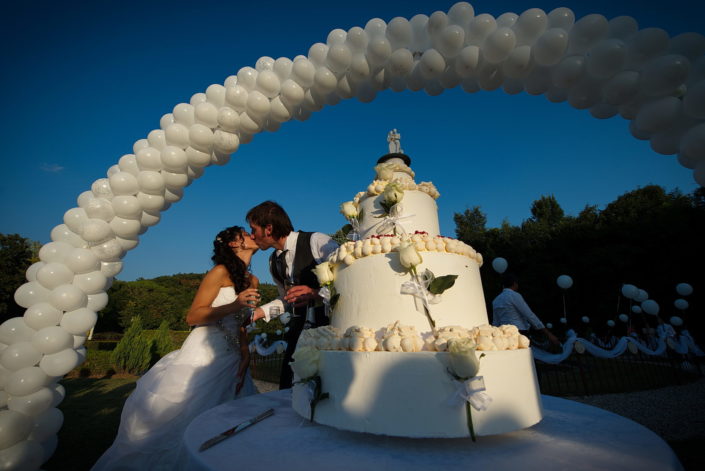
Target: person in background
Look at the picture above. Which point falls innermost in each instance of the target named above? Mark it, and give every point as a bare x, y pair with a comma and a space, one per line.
291, 264
509, 307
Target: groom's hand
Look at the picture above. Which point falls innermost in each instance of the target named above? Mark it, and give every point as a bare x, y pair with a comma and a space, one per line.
300, 295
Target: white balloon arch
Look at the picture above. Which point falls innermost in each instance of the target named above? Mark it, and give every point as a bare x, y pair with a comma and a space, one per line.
608, 67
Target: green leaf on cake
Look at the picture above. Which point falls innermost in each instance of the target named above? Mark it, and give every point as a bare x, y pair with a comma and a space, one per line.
334, 300
442, 283
346, 229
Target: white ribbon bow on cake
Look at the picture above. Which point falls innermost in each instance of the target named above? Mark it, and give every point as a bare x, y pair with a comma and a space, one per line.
472, 391
392, 221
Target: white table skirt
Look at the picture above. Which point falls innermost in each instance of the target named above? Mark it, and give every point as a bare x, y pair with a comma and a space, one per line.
571, 436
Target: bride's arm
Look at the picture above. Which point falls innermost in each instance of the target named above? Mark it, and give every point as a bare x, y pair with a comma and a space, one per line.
201, 311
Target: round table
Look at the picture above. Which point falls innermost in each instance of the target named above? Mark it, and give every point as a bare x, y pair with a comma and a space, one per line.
571, 436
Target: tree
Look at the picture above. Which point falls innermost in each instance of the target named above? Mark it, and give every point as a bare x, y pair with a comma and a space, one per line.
470, 227
16, 255
133, 353
162, 343
546, 210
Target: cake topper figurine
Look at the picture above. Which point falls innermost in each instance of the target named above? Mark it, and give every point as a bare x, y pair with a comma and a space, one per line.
394, 140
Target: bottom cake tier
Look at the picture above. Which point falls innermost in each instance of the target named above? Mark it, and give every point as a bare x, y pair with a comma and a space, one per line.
412, 394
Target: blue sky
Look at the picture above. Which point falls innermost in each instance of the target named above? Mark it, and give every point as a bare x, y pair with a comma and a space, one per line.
83, 81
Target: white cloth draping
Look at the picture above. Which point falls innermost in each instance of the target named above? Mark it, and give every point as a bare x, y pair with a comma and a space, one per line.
571, 436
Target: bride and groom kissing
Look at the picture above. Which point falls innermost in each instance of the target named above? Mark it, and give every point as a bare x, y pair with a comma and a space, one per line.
211, 366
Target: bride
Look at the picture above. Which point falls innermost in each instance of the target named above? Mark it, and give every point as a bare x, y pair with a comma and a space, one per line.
209, 369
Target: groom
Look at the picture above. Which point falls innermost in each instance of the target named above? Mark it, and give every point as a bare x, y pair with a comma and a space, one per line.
291, 265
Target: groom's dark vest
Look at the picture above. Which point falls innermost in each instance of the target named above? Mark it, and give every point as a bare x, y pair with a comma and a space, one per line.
303, 274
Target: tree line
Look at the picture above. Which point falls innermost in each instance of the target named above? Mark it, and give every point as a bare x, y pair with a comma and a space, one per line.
647, 237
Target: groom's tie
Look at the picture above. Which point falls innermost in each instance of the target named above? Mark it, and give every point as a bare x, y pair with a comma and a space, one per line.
280, 265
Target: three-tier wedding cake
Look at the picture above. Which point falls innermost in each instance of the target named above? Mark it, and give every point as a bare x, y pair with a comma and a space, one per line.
409, 351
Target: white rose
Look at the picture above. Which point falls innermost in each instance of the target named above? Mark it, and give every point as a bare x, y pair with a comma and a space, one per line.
393, 194
349, 210
385, 171
305, 364
463, 360
409, 257
324, 273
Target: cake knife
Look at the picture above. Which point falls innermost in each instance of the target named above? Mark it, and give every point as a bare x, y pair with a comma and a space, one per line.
238, 428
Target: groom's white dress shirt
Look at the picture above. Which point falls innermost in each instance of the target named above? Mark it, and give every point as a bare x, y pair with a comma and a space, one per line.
321, 247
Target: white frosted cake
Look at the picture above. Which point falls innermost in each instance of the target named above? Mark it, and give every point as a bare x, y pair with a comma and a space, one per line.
407, 320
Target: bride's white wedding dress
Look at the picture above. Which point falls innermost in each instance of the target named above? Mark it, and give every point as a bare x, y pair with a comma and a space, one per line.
184, 383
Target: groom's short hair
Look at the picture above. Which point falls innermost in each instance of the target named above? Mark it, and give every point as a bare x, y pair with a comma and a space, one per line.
270, 212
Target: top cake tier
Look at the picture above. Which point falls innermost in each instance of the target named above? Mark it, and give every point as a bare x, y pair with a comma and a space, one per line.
394, 199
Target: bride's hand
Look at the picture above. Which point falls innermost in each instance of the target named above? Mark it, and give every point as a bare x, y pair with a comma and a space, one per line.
248, 298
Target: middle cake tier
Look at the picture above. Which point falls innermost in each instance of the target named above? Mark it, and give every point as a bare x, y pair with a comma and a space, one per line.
372, 295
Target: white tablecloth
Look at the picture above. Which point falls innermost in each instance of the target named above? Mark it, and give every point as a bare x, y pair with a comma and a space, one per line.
571, 436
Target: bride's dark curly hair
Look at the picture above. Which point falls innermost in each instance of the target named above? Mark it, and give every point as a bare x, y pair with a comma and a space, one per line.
223, 255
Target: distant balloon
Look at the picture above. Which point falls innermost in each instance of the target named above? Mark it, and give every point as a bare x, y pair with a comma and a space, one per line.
564, 282
549, 326
684, 289
585, 319
630, 291
681, 304
499, 264
636, 309
650, 307
563, 320
676, 321
642, 296
610, 323
624, 318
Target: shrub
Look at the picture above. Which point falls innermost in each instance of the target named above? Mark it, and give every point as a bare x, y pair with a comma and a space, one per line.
133, 353
161, 343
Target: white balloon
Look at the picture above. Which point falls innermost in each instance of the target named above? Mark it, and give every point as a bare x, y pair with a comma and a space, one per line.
606, 58
659, 115
650, 307
378, 51
302, 72
490, 76
645, 45
684, 289
676, 321
157, 139
125, 183
67, 298
177, 135
79, 322
108, 251
14, 427
568, 71
499, 265
692, 144
636, 309
694, 100
62, 233
623, 27
81, 260
603, 111
586, 32
184, 113
171, 195
317, 54
530, 25
518, 64
563, 320
621, 88
20, 355
586, 93
338, 58
31, 293
74, 219
150, 218
247, 78
99, 208
25, 381
201, 136
375, 27
54, 274
630, 291
561, 17
59, 364
32, 404
664, 74
51, 340
641, 296
431, 64
610, 323
623, 318
282, 67
451, 41
467, 61
15, 330
26, 455
399, 33
681, 304
101, 189
507, 20
91, 283
549, 325
498, 45
585, 319
165, 121
324, 81
258, 105
49, 447
96, 302
550, 47
84, 198
564, 282
41, 315
236, 98
46, 424
96, 231
215, 94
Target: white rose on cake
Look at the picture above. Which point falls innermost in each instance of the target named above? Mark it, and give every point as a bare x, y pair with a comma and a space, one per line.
409, 257
463, 360
324, 273
349, 210
393, 193
305, 364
